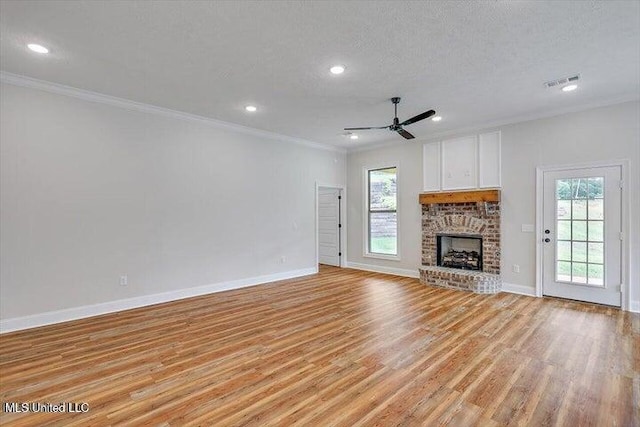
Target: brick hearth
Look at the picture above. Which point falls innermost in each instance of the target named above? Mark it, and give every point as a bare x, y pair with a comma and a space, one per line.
466, 280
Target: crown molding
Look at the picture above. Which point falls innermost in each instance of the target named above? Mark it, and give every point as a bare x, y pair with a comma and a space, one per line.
495, 124
87, 95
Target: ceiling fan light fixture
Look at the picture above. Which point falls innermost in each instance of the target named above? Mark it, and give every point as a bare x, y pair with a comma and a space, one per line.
436, 118
337, 69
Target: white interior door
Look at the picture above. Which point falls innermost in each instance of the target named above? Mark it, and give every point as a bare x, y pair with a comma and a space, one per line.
582, 234
329, 226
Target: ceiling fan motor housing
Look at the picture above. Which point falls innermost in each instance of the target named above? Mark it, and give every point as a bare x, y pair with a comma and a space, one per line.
396, 123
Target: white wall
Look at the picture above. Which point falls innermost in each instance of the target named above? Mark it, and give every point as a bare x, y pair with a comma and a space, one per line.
407, 156
90, 192
607, 133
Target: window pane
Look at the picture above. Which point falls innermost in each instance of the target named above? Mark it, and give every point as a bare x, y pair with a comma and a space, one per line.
564, 250
564, 230
595, 231
564, 271
382, 189
596, 187
579, 230
596, 274
596, 252
579, 251
564, 209
579, 209
579, 188
579, 272
596, 209
563, 189
383, 235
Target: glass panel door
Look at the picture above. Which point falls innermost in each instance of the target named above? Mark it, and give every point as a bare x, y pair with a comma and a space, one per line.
581, 234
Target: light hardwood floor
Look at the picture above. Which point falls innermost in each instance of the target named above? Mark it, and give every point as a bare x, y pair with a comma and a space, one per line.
343, 347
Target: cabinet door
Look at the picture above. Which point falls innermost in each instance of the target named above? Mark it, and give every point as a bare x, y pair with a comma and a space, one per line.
431, 166
489, 160
459, 163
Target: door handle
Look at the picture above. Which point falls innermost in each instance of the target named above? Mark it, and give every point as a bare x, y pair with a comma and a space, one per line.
547, 231
547, 240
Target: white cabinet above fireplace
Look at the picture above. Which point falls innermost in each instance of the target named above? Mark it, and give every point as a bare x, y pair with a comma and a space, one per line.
462, 163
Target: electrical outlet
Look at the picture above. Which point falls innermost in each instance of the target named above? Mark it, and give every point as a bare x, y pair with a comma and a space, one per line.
516, 268
124, 280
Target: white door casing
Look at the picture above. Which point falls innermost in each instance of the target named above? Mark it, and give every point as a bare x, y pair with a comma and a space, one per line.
328, 226
582, 231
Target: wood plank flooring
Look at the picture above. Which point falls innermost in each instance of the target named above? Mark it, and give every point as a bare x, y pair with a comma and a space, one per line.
343, 348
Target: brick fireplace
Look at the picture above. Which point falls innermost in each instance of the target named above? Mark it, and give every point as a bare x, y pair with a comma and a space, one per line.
459, 215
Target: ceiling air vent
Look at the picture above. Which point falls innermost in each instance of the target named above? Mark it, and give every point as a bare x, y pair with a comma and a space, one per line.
563, 81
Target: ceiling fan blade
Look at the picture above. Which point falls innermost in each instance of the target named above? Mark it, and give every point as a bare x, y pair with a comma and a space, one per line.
381, 127
405, 134
419, 117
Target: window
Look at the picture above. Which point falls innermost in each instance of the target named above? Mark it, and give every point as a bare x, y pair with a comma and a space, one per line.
580, 224
382, 215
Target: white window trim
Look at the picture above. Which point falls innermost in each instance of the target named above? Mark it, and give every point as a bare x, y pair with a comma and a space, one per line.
365, 211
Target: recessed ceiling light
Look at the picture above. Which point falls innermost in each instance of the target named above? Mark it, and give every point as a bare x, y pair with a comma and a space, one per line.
251, 108
37, 48
337, 69
569, 88
436, 118
353, 136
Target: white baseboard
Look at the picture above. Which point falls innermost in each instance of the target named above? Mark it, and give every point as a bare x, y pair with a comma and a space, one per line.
634, 306
518, 289
387, 270
58, 316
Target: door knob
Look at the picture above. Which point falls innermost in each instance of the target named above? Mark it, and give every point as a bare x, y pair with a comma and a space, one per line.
547, 231
547, 240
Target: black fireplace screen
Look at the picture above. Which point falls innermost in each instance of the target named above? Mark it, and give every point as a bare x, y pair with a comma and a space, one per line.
460, 251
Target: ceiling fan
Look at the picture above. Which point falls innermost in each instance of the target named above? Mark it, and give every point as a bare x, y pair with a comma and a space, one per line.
396, 125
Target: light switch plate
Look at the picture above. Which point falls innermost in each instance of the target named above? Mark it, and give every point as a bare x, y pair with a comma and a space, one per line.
528, 228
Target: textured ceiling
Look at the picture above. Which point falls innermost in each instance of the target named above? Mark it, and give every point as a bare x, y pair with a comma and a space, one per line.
476, 63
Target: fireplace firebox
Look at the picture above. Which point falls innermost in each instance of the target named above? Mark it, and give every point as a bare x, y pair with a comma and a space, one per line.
461, 251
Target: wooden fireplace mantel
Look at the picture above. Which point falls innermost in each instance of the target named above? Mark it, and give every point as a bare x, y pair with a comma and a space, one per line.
467, 196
